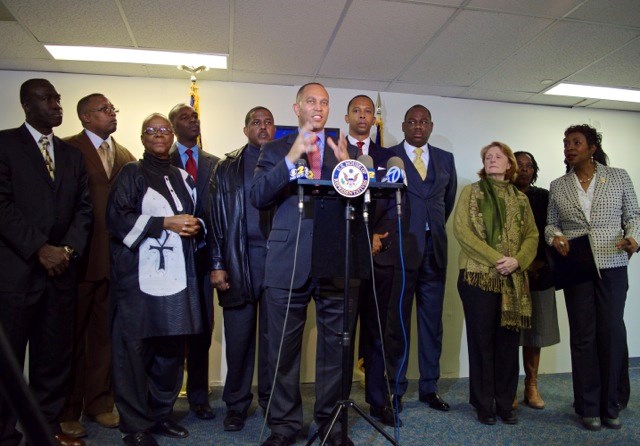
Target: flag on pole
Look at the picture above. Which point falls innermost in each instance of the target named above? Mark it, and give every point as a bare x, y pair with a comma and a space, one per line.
194, 101
379, 124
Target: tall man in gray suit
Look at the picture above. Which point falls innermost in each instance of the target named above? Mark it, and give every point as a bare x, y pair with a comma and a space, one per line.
91, 391
188, 155
431, 192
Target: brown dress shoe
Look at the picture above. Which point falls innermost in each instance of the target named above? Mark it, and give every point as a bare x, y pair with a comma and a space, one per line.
73, 429
65, 440
107, 419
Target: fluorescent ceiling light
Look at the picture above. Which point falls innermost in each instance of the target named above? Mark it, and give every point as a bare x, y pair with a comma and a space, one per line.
126, 55
591, 92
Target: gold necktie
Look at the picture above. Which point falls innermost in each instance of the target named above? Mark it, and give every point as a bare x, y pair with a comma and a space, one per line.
419, 163
106, 156
44, 145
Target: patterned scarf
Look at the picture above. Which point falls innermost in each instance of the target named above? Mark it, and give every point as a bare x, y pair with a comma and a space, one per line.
497, 213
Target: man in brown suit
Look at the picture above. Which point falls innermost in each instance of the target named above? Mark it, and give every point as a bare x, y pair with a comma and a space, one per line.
91, 391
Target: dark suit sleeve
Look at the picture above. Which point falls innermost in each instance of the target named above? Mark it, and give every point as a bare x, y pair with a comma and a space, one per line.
15, 231
271, 177
450, 192
78, 231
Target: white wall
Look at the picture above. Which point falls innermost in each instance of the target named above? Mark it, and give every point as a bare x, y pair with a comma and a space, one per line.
461, 126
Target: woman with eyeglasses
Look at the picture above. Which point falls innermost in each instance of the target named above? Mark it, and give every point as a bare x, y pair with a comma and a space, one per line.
544, 329
498, 238
154, 291
599, 202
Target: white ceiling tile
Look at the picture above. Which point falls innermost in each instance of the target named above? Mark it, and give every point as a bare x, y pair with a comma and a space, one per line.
615, 105
372, 28
193, 25
616, 12
71, 22
492, 95
280, 36
561, 51
431, 90
540, 8
620, 69
19, 44
354, 84
544, 99
269, 78
471, 45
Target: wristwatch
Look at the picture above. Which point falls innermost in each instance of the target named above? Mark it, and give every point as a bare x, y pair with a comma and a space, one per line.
69, 251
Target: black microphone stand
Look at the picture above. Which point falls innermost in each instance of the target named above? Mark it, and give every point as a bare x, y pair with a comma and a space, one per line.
341, 409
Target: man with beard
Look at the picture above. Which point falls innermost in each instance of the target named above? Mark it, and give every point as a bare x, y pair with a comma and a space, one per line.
45, 215
241, 231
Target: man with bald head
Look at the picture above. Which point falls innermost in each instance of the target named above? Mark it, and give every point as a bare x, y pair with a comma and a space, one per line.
91, 393
187, 154
45, 216
319, 272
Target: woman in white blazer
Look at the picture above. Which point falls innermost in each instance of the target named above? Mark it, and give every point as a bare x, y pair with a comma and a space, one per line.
599, 201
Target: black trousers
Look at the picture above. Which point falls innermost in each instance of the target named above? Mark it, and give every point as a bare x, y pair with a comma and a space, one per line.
493, 350
286, 404
147, 376
44, 320
598, 340
240, 326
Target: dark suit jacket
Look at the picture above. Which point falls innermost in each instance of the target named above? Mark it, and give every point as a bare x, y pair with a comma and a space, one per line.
321, 245
380, 156
206, 164
425, 201
95, 262
35, 210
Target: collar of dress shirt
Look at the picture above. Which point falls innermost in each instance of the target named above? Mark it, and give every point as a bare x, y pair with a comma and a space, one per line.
96, 140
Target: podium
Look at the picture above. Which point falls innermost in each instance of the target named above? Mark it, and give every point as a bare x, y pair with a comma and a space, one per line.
325, 189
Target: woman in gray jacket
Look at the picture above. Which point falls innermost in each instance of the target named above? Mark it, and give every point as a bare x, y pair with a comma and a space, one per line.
598, 201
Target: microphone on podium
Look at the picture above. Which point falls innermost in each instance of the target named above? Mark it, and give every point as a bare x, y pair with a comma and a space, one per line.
368, 163
300, 171
395, 174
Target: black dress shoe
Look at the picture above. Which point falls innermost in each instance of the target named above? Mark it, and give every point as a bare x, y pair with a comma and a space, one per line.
487, 418
276, 439
434, 401
592, 423
385, 415
509, 417
168, 428
140, 439
203, 411
234, 421
612, 423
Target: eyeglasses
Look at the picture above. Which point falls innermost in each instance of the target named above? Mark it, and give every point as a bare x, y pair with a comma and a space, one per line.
155, 131
423, 123
106, 110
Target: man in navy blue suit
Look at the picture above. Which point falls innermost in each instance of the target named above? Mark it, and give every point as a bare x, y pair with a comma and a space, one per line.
188, 155
303, 262
429, 200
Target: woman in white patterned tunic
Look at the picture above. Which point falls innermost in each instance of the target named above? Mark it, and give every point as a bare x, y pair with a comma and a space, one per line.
599, 201
154, 292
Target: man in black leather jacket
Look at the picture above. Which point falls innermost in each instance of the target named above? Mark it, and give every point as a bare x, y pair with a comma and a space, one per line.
240, 232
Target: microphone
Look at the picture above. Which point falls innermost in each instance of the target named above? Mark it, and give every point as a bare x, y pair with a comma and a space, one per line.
368, 163
300, 172
395, 174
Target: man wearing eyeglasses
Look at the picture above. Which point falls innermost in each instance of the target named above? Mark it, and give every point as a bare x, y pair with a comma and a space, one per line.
45, 217
90, 392
431, 192
187, 154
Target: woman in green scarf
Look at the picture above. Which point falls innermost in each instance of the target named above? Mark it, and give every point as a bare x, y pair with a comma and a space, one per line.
498, 237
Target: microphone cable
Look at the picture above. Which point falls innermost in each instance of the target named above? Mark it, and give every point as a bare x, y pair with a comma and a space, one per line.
402, 325
396, 427
284, 329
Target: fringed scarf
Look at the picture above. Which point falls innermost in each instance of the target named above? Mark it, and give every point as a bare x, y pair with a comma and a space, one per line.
497, 216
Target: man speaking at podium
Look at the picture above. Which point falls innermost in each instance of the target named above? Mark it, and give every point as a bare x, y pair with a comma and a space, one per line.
316, 270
